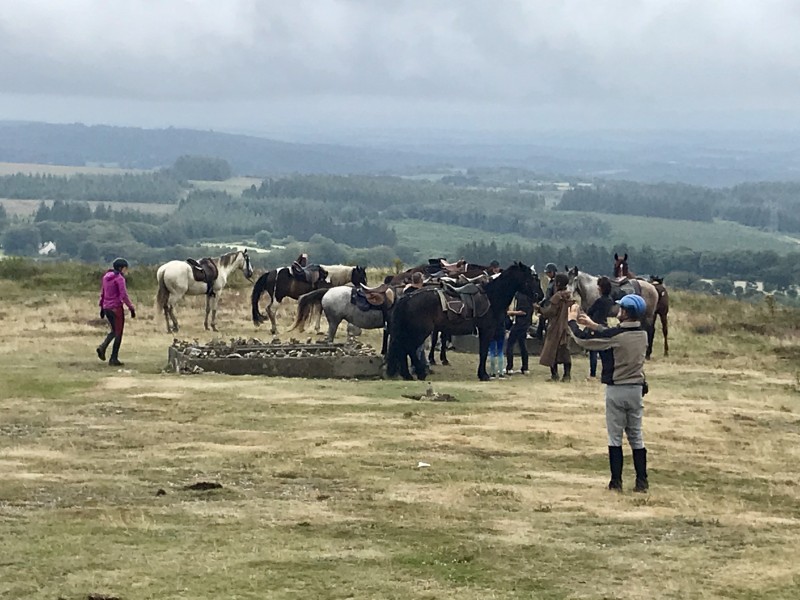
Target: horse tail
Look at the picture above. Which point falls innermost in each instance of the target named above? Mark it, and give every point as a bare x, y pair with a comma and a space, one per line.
308, 305
162, 296
263, 284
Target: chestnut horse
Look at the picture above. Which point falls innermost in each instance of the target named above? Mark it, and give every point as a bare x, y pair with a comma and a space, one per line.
621, 270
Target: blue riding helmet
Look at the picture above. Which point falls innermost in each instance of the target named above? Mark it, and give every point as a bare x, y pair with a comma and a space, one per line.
633, 304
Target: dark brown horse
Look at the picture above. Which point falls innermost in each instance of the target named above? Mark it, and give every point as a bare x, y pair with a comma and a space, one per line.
662, 311
416, 316
621, 270
438, 269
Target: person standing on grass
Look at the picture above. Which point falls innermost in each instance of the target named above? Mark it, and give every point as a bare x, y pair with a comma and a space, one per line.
113, 295
523, 315
622, 351
550, 271
598, 312
554, 349
496, 347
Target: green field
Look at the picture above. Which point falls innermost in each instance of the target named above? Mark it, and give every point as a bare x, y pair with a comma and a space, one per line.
437, 239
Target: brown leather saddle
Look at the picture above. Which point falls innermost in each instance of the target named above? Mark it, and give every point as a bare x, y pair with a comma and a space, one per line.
312, 274
205, 270
375, 298
468, 301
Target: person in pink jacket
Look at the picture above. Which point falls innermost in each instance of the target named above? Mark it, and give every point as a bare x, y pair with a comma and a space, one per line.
113, 295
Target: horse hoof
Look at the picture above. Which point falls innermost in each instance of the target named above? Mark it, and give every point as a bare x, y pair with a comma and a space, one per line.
445, 363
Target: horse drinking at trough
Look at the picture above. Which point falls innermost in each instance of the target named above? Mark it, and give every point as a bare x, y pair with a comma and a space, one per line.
208, 277
457, 311
585, 286
282, 283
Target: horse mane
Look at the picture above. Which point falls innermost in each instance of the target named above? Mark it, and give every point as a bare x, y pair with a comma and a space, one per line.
227, 259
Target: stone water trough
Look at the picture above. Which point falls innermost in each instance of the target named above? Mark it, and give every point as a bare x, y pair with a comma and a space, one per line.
352, 360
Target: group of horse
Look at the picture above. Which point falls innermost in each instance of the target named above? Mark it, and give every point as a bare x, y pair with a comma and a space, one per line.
454, 299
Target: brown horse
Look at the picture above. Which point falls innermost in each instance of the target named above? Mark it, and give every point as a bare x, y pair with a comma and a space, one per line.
621, 270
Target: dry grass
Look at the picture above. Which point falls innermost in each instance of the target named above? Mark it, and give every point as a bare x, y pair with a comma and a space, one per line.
322, 497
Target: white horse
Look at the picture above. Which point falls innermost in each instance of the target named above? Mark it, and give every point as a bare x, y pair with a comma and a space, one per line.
585, 287
175, 280
335, 303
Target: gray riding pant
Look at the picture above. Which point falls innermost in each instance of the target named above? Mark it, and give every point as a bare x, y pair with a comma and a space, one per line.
624, 408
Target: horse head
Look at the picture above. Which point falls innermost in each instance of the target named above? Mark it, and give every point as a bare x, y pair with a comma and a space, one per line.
621, 265
359, 275
657, 279
247, 267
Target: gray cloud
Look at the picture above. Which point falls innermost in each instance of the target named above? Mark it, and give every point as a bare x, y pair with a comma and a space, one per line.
512, 59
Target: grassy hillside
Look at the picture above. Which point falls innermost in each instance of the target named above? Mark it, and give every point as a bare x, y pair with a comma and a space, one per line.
440, 239
322, 497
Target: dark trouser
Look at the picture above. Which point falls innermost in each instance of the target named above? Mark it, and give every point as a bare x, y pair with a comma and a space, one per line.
116, 318
593, 363
517, 337
541, 326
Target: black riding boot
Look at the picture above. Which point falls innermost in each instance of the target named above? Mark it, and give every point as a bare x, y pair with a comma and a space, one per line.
554, 373
640, 464
615, 462
567, 370
114, 360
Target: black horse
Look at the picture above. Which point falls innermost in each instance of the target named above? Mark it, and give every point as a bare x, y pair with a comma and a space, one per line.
417, 315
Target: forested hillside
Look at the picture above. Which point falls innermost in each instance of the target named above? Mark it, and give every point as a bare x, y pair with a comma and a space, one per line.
773, 205
479, 214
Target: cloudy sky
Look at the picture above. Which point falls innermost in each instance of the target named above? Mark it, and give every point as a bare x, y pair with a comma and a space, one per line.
320, 66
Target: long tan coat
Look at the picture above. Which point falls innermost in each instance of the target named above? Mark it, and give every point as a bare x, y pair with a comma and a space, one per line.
554, 349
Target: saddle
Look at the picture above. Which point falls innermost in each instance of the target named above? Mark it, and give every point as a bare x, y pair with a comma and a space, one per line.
205, 270
468, 301
623, 287
309, 274
377, 298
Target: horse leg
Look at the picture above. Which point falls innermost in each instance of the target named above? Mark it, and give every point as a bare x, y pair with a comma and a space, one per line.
651, 334
272, 319
208, 310
167, 308
483, 353
214, 301
385, 345
664, 330
446, 337
434, 340
319, 321
333, 325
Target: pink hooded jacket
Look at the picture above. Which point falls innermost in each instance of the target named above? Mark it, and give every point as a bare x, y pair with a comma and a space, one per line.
114, 292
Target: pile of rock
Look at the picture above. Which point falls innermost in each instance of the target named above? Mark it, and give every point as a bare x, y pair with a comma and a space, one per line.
255, 348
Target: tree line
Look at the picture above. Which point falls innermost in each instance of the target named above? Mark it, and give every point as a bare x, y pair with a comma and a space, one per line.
765, 205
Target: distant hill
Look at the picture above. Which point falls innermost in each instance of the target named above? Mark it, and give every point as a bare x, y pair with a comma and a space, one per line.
136, 148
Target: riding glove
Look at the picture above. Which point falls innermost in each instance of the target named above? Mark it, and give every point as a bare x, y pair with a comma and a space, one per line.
133, 314
102, 313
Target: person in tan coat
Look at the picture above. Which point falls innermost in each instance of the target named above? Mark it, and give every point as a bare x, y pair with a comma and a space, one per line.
555, 350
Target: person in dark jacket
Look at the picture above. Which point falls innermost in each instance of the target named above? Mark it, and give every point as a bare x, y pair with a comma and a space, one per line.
623, 354
523, 316
113, 296
550, 270
598, 312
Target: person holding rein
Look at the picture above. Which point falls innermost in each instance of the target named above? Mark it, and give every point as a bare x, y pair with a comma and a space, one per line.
622, 352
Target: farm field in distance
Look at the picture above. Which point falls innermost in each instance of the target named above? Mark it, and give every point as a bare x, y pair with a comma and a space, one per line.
322, 497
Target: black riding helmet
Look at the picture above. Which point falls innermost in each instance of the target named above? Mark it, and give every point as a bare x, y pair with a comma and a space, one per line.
119, 264
550, 268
